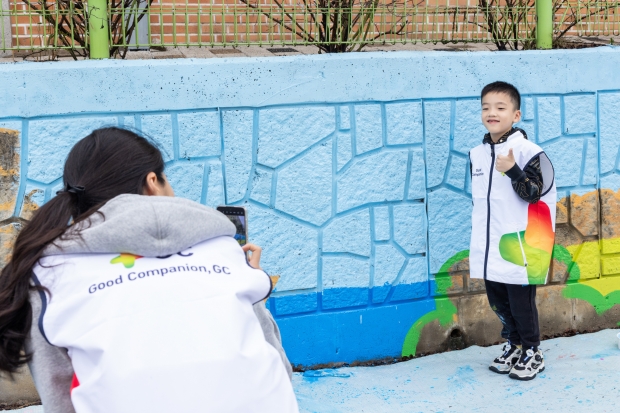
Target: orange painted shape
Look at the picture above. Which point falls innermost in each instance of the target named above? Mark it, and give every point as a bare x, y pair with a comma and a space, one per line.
539, 232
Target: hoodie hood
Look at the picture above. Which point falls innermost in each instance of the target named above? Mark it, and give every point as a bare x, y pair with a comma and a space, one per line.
150, 226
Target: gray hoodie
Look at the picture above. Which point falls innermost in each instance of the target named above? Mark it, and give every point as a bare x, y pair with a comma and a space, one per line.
142, 225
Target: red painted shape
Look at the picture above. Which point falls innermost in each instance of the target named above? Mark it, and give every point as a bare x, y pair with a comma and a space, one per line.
75, 382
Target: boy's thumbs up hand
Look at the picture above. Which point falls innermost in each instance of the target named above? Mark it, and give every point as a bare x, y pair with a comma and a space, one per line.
505, 162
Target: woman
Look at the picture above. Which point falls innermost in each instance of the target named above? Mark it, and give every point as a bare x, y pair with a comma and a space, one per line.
141, 304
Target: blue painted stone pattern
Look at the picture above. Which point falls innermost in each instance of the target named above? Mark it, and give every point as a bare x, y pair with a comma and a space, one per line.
358, 197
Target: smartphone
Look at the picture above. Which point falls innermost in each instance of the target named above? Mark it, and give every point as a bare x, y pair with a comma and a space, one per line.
237, 216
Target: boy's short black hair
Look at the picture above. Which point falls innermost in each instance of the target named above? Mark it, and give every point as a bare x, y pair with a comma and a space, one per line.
503, 87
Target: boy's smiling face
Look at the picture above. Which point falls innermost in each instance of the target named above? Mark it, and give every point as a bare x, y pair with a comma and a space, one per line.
499, 114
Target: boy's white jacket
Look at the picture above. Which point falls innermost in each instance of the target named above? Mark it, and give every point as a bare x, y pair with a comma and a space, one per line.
511, 240
153, 308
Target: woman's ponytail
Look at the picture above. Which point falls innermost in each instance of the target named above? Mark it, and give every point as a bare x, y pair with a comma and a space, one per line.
107, 163
47, 224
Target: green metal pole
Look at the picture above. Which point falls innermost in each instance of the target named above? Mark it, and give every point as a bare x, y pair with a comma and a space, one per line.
99, 33
544, 24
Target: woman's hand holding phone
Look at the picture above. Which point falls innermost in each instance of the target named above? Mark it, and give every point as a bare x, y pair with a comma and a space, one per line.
254, 257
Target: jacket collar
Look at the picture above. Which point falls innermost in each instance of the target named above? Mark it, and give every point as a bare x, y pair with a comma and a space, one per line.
487, 137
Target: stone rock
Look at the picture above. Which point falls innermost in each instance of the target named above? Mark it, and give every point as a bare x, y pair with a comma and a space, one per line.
128, 122
530, 129
527, 108
159, 128
566, 156
9, 171
555, 312
8, 233
610, 266
304, 187
455, 284
342, 271
609, 121
344, 149
588, 258
413, 282
558, 271
610, 220
584, 213
459, 166
475, 285
388, 262
286, 132
549, 109
289, 248
199, 134
187, 180
417, 175
437, 130
579, 114
410, 227
368, 128
238, 127
295, 304
261, 186
382, 223
449, 225
34, 198
590, 169
18, 391
468, 127
215, 189
404, 123
462, 265
566, 235
369, 180
348, 233
345, 118
50, 140
561, 211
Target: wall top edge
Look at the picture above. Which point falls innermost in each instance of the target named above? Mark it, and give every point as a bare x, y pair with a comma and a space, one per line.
113, 86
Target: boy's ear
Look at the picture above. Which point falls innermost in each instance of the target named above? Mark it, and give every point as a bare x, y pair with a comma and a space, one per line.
517, 117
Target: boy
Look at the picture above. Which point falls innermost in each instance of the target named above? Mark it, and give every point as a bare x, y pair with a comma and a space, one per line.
513, 224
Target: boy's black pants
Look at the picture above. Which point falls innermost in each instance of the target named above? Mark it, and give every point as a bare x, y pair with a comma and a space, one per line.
515, 305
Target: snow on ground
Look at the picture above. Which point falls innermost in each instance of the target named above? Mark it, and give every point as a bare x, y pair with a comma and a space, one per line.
582, 375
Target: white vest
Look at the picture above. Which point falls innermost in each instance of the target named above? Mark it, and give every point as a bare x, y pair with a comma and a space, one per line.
162, 335
511, 240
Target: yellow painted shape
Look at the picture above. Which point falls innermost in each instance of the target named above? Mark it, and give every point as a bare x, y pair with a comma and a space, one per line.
588, 257
605, 285
610, 265
610, 246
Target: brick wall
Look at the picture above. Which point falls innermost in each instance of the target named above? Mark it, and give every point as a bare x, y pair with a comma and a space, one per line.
228, 21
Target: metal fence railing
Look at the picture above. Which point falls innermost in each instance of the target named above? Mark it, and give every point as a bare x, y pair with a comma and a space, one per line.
332, 25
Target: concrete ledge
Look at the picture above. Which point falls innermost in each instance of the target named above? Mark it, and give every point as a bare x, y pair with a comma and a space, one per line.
19, 390
266, 81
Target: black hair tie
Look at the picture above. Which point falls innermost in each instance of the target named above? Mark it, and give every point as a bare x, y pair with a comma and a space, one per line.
77, 190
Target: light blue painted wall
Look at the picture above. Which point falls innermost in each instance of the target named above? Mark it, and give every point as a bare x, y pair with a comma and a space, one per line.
353, 168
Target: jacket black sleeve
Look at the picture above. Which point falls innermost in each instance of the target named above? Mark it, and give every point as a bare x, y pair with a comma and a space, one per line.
527, 182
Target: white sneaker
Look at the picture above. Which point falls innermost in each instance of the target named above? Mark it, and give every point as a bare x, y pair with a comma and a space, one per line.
529, 365
503, 364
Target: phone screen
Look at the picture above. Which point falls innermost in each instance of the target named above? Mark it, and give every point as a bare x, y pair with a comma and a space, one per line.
237, 216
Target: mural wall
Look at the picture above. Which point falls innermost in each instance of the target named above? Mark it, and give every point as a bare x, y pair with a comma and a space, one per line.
359, 196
